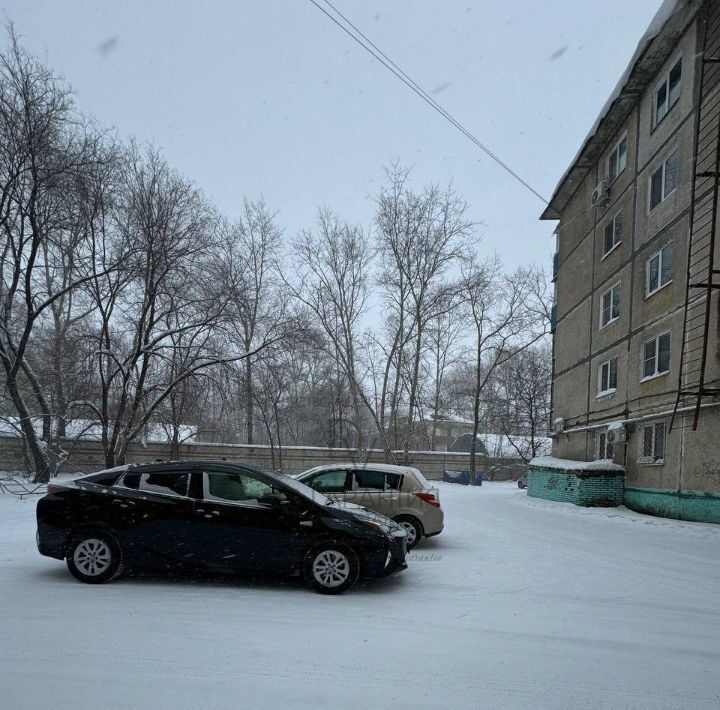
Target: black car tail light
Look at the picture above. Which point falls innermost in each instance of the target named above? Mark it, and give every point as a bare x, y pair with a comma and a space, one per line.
56, 488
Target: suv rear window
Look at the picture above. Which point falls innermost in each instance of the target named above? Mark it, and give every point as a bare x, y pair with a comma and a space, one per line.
170, 482
131, 480
393, 480
377, 480
108, 477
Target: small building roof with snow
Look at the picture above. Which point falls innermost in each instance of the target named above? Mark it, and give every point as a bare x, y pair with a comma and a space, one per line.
502, 446
655, 46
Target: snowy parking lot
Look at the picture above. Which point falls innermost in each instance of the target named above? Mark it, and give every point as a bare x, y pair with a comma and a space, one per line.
520, 603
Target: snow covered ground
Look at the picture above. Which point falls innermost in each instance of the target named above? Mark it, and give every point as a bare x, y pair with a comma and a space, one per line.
518, 604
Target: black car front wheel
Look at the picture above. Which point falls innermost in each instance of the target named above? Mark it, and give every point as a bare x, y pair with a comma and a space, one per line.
94, 557
331, 568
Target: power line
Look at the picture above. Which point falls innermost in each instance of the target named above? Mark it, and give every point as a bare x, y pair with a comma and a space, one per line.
389, 64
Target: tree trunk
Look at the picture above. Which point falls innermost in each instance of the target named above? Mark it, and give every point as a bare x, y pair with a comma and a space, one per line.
413, 394
41, 463
249, 433
175, 443
476, 411
42, 402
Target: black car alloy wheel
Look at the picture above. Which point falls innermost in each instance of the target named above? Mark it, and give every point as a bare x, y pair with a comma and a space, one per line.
94, 557
331, 568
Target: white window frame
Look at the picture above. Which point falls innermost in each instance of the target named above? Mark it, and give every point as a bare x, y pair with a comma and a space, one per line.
617, 243
656, 340
602, 447
215, 500
616, 152
651, 460
609, 390
610, 291
665, 81
659, 254
663, 194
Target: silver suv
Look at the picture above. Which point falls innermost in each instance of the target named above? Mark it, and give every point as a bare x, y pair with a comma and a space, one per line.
398, 492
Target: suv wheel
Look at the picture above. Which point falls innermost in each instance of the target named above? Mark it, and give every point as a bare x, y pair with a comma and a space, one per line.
94, 557
331, 568
413, 529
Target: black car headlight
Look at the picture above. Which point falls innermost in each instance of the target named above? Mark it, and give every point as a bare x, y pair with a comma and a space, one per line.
384, 529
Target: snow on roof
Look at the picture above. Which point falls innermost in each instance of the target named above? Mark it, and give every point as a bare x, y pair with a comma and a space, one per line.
658, 22
570, 465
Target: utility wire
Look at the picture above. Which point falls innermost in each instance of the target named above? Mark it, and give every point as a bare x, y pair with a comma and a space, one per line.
389, 64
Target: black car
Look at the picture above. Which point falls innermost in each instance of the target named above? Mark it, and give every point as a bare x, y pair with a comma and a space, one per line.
214, 516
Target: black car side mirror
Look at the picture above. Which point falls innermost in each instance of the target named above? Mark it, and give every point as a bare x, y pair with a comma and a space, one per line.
272, 500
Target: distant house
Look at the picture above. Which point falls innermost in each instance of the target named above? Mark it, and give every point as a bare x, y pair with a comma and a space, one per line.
436, 432
501, 446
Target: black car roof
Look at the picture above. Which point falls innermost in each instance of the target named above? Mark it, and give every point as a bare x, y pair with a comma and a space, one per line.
160, 466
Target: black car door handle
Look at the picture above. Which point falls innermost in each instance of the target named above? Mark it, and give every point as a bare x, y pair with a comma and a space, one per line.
207, 513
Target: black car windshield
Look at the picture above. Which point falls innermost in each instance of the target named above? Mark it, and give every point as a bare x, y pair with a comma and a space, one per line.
298, 487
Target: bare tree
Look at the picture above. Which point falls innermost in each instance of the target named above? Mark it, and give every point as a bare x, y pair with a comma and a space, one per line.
445, 348
43, 147
167, 290
524, 403
421, 236
332, 275
257, 311
505, 320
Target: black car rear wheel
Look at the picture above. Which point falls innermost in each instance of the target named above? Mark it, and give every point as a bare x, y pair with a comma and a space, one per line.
94, 557
331, 568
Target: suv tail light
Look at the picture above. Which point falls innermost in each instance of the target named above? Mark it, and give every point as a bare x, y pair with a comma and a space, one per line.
428, 498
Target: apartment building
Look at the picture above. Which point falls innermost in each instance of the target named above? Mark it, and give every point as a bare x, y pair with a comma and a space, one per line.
636, 374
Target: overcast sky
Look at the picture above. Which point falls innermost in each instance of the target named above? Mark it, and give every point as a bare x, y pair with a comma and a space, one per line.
268, 97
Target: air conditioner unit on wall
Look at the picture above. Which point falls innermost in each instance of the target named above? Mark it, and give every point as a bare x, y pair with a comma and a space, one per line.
601, 194
616, 433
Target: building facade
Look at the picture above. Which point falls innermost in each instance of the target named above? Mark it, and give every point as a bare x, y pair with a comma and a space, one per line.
632, 210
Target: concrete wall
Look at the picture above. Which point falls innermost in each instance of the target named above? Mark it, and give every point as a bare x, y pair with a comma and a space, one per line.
87, 456
594, 488
691, 463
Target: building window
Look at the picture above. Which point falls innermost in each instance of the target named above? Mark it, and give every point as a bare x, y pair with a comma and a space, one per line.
607, 377
668, 91
664, 180
613, 233
659, 269
652, 444
656, 356
603, 448
617, 159
610, 306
